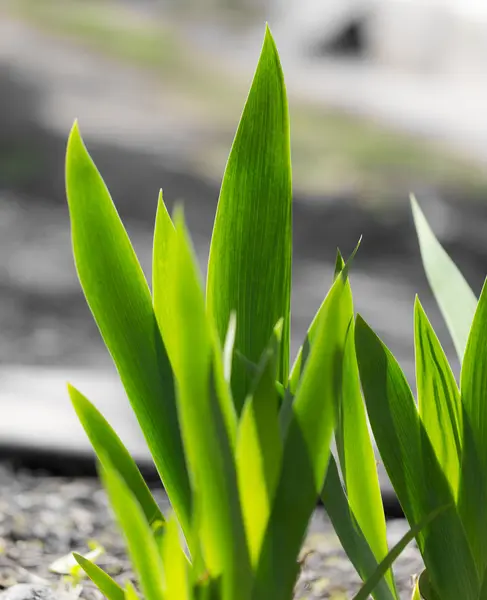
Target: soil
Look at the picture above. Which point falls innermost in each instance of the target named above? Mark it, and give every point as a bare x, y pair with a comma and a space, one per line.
43, 518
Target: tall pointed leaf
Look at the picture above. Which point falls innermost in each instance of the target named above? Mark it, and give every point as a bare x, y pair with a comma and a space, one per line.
119, 298
205, 432
413, 468
473, 386
455, 298
249, 268
259, 448
141, 545
349, 533
306, 447
438, 398
161, 264
357, 457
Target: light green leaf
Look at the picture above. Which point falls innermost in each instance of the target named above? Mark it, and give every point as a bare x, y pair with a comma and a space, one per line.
106, 443
228, 347
141, 545
455, 298
249, 268
205, 429
259, 448
386, 564
413, 468
306, 448
130, 592
161, 265
357, 458
178, 585
438, 398
349, 532
107, 586
119, 298
473, 384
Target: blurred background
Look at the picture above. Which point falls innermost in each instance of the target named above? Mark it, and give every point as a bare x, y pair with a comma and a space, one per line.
387, 97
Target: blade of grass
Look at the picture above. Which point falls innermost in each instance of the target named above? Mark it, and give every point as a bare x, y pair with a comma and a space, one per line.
473, 487
259, 448
141, 545
130, 592
386, 564
249, 268
106, 443
455, 298
438, 398
413, 468
349, 533
119, 298
204, 428
228, 347
306, 448
107, 586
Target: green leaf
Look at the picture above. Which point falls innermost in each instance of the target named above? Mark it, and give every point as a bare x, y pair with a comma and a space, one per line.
106, 443
386, 564
119, 298
306, 448
349, 532
413, 468
228, 347
473, 488
259, 448
161, 265
107, 586
456, 300
141, 544
205, 426
249, 267
438, 398
357, 458
130, 592
426, 590
178, 585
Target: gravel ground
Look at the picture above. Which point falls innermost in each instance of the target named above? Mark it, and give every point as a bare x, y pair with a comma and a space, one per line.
43, 518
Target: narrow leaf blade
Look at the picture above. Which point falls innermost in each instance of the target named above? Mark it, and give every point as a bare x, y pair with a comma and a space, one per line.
106, 584
455, 298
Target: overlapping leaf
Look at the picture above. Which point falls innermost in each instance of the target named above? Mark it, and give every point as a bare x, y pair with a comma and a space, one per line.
438, 398
106, 584
413, 468
206, 433
119, 298
249, 268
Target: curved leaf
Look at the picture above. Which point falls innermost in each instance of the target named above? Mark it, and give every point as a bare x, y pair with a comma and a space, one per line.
107, 586
119, 298
249, 268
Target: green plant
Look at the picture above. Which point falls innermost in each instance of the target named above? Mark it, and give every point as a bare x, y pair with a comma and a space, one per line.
241, 440
435, 453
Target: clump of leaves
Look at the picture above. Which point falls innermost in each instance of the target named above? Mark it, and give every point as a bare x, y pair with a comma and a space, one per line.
241, 440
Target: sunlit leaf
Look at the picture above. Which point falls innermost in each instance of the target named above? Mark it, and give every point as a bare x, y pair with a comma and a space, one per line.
413, 468
456, 300
259, 448
106, 443
249, 268
438, 398
119, 298
130, 592
205, 430
141, 545
306, 447
228, 347
107, 586
178, 585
